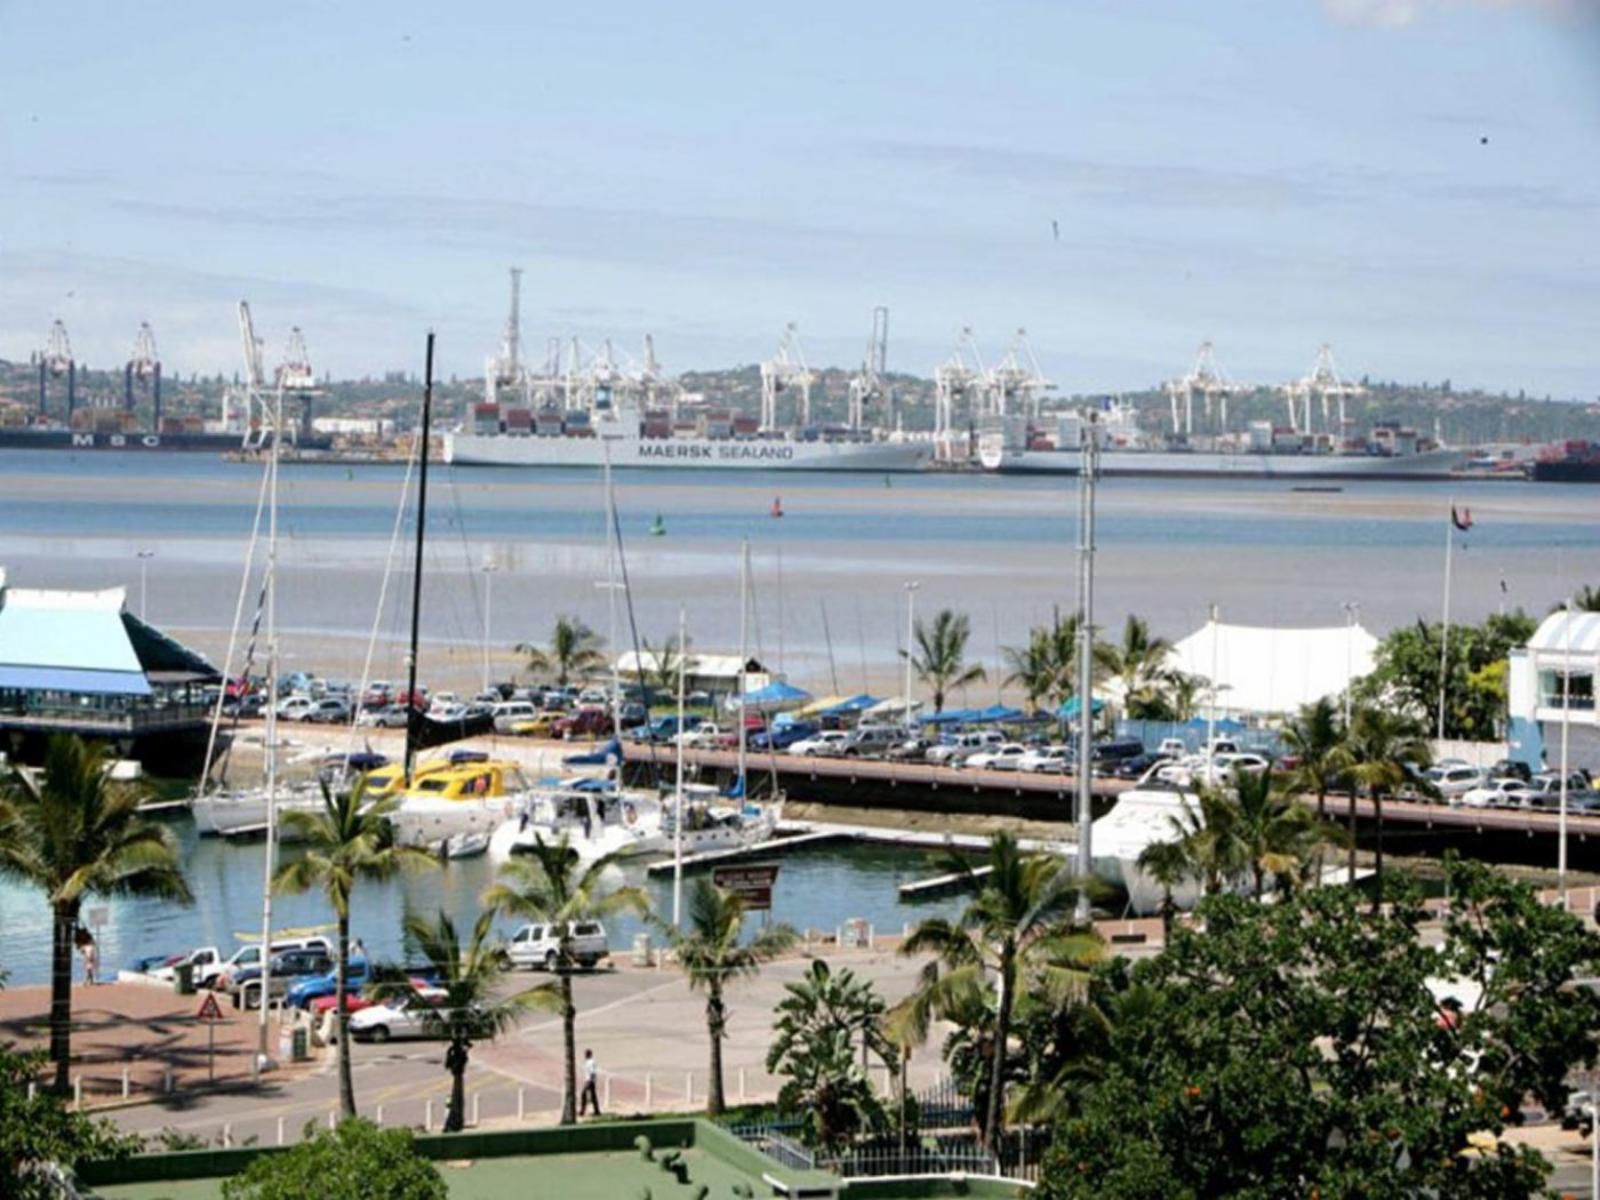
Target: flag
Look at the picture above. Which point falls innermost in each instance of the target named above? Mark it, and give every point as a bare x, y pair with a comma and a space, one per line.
1461, 520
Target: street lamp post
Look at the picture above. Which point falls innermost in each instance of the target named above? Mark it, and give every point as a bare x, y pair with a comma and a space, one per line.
144, 595
911, 634
489, 568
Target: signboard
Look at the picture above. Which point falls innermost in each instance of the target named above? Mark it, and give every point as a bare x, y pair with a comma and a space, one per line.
210, 1010
752, 883
98, 916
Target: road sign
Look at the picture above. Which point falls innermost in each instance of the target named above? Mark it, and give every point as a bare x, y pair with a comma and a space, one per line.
752, 883
98, 917
210, 1010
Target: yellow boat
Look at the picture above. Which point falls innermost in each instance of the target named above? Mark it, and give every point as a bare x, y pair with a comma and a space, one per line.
463, 797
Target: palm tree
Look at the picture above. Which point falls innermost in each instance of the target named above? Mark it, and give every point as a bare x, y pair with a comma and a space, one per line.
469, 1011
1183, 692
1167, 863
710, 954
662, 673
1586, 599
1277, 835
939, 656
1139, 664
1382, 745
574, 650
1033, 667
1017, 924
76, 834
1315, 737
551, 888
347, 842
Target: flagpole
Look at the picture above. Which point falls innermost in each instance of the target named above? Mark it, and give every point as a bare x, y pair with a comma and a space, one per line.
1444, 637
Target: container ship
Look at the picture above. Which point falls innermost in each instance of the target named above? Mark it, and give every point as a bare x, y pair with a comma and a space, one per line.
1574, 461
712, 439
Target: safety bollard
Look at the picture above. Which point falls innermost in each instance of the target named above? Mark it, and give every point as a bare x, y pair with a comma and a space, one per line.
872, 934
333, 1119
649, 1090
33, 1091
427, 1117
522, 1105
476, 1096
379, 1115
741, 1085
606, 1090
77, 1092
227, 1137
688, 1088
280, 1131
124, 1083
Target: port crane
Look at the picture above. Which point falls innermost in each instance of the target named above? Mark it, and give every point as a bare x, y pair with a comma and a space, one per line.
786, 369
258, 416
1324, 384
869, 385
56, 361
1207, 380
960, 377
144, 367
1016, 381
505, 369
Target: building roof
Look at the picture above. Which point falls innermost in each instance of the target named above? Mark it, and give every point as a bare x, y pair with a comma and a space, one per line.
86, 642
1553, 636
1265, 670
701, 666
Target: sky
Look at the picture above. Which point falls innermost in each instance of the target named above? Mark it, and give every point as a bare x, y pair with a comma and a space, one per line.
1416, 182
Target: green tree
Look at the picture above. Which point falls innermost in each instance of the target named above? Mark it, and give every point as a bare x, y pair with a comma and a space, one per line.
1382, 745
471, 1009
1315, 739
78, 834
1018, 924
819, 1022
574, 650
1585, 599
347, 842
40, 1136
1405, 673
1033, 667
939, 655
711, 954
1296, 1049
659, 666
356, 1161
1168, 865
1277, 834
1138, 663
1207, 832
554, 888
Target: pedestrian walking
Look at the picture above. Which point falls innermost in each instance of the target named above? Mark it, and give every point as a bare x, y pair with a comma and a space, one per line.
91, 956
590, 1097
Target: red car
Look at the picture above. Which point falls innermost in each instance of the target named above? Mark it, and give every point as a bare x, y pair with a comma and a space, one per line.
354, 1001
591, 721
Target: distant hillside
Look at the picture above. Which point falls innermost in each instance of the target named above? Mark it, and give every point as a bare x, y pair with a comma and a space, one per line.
1463, 417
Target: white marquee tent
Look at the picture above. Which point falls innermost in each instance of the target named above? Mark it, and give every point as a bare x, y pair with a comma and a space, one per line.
1274, 671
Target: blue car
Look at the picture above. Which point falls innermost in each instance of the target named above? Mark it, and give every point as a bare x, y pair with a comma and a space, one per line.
783, 736
303, 991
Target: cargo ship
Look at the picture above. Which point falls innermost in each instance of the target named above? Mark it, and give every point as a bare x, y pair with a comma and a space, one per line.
1264, 451
175, 434
1574, 461
712, 439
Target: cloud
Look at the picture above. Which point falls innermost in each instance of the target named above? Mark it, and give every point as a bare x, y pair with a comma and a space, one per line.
1400, 14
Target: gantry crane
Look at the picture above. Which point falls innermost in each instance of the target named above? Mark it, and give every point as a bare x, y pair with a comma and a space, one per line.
505, 368
55, 361
867, 386
1322, 383
144, 367
959, 377
1208, 381
1016, 381
786, 369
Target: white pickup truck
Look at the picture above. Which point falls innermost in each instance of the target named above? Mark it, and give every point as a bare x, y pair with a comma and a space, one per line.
535, 946
209, 965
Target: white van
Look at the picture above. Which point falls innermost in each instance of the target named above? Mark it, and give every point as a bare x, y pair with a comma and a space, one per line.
953, 754
507, 712
210, 966
535, 946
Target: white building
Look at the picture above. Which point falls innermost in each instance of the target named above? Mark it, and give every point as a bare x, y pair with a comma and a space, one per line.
1551, 680
1261, 671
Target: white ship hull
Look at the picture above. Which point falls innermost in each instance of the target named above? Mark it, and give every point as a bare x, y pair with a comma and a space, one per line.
1433, 464
716, 454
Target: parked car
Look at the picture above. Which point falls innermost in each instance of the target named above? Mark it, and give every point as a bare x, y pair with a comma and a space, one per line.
286, 967
1454, 782
910, 750
588, 720
1003, 757
633, 713
535, 946
328, 711
402, 1017
826, 743
209, 963
508, 712
1172, 747
379, 693
1107, 754
294, 708
961, 747
1510, 768
872, 740
1550, 782
664, 728
781, 737
252, 704
1498, 793
1134, 768
1046, 760
540, 725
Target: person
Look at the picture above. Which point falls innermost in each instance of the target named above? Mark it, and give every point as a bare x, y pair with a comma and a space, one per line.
91, 956
590, 1097
358, 949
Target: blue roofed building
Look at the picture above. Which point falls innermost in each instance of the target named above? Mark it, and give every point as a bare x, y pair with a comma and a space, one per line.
79, 662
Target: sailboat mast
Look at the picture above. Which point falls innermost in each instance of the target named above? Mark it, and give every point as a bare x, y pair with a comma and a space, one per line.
271, 849
677, 806
744, 653
413, 713
611, 591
